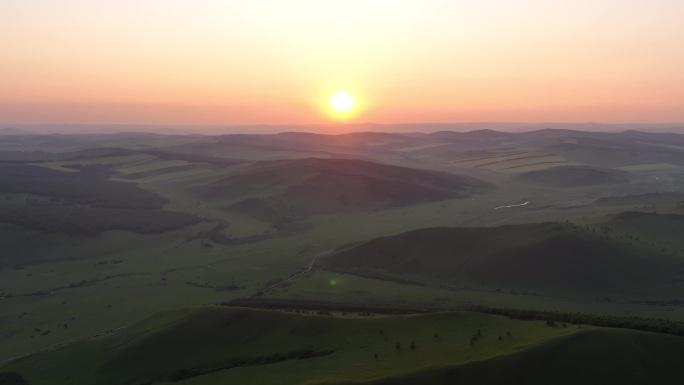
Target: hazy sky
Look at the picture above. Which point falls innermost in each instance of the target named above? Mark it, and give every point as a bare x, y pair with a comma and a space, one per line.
276, 61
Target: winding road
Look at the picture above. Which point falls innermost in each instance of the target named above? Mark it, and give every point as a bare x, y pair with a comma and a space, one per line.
518, 205
313, 260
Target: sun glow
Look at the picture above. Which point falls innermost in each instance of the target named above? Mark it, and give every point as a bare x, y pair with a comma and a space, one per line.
342, 102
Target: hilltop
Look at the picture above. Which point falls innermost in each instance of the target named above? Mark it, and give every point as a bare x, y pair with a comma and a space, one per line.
331, 185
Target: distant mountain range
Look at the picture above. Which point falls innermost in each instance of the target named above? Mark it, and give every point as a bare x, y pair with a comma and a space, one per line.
332, 128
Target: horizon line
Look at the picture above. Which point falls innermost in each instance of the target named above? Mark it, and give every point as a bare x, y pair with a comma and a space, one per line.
215, 125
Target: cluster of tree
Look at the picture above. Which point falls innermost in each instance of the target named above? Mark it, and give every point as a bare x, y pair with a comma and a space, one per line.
90, 222
301, 354
112, 261
627, 322
301, 305
290, 217
193, 158
287, 210
289, 226
83, 282
12, 378
666, 326
609, 233
95, 193
90, 186
670, 302
216, 235
380, 276
226, 287
475, 336
37, 202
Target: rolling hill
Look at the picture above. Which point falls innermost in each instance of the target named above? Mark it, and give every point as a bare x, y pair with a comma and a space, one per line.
215, 345
596, 357
574, 176
547, 257
332, 185
100, 231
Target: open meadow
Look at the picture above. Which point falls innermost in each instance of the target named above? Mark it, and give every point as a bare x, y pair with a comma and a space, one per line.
101, 232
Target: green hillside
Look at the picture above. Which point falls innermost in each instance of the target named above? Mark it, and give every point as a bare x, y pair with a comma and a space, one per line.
333, 185
650, 200
545, 257
101, 231
80, 200
575, 176
83, 185
593, 357
214, 345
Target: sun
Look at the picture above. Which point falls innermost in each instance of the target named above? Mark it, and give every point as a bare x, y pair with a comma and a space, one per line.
341, 102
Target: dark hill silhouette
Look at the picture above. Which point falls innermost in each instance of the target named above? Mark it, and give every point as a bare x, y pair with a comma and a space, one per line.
330, 185
545, 256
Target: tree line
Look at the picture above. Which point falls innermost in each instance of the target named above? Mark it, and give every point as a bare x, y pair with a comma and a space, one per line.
82, 221
666, 326
89, 186
657, 325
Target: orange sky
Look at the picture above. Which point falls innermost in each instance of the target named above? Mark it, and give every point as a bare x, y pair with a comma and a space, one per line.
276, 61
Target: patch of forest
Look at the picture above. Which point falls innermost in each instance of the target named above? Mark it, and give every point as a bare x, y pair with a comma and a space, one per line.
91, 186
82, 221
552, 318
656, 325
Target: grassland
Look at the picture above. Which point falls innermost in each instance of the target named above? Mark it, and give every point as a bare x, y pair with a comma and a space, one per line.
227, 345
513, 161
545, 259
90, 186
649, 167
575, 176
329, 185
628, 264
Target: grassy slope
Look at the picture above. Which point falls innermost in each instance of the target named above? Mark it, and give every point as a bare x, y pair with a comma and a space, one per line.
211, 338
370, 225
592, 357
621, 149
331, 185
575, 176
660, 231
647, 199
543, 256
